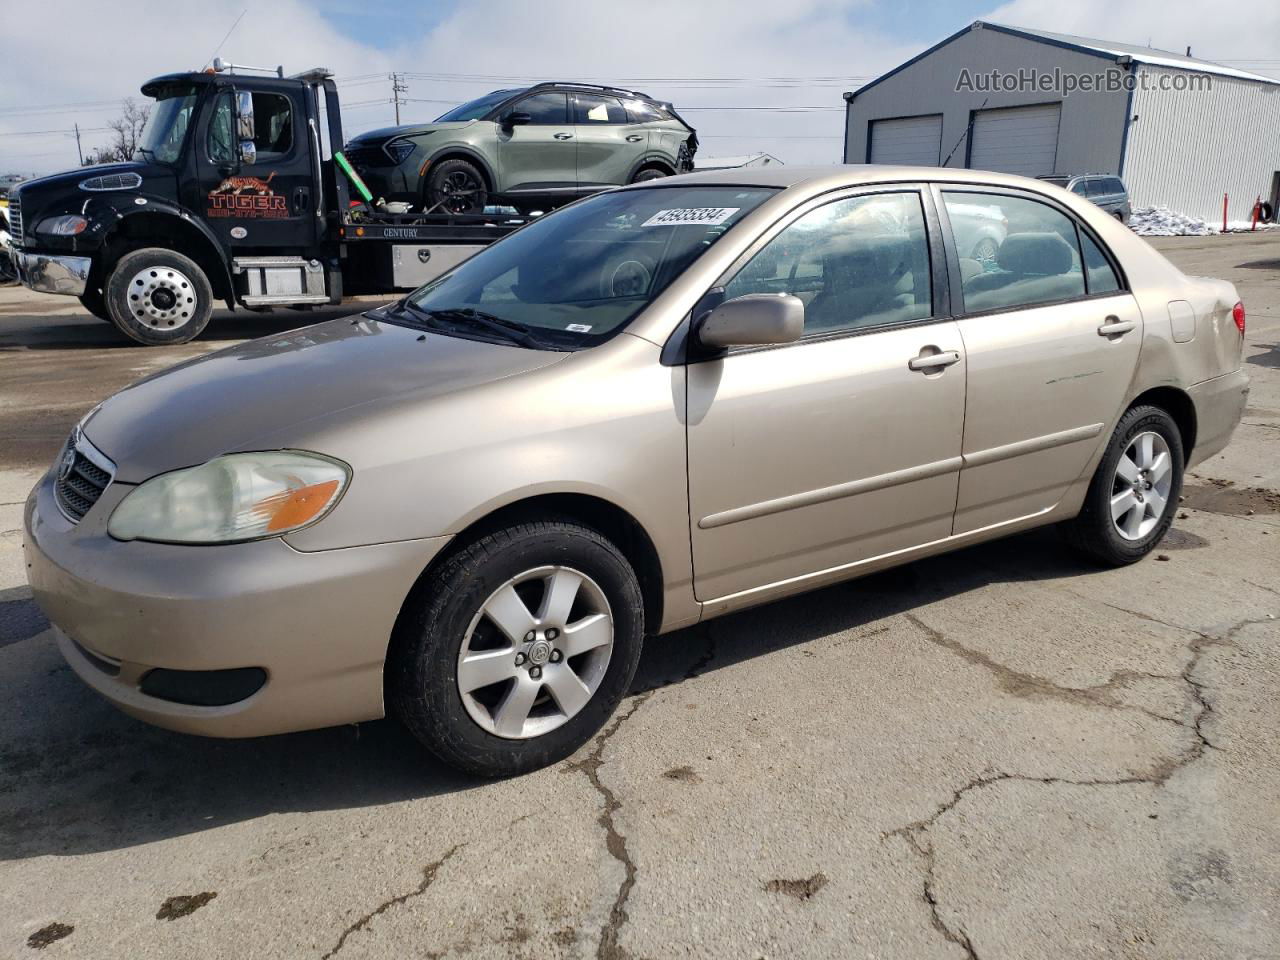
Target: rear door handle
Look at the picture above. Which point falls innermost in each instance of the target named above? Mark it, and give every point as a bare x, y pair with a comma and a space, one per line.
632, 138
1114, 326
934, 361
563, 136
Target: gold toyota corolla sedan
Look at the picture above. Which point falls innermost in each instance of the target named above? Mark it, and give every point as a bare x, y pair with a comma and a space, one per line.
652, 407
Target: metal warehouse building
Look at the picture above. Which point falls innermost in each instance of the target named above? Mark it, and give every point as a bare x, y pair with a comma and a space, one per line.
1180, 131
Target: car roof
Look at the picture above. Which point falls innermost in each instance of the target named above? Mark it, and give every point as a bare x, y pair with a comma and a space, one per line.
833, 176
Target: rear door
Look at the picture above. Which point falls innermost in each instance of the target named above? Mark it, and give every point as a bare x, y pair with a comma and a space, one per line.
271, 202
844, 446
538, 156
610, 146
1051, 338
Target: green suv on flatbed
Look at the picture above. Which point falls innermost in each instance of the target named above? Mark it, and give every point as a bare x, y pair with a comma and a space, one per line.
533, 148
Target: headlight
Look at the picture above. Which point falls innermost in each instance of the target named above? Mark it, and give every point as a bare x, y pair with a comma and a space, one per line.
398, 150
242, 496
67, 226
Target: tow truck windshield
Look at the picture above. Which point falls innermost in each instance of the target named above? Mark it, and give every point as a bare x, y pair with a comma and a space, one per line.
166, 128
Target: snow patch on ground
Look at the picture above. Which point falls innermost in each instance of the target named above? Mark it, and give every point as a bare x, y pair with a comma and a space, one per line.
1163, 222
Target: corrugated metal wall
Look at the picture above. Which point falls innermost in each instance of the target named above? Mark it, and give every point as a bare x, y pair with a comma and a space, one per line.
1189, 147
1092, 123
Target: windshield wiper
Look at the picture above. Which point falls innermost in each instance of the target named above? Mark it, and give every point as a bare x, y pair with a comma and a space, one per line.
508, 329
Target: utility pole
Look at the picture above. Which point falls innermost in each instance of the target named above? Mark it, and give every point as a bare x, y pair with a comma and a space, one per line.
78, 150
398, 87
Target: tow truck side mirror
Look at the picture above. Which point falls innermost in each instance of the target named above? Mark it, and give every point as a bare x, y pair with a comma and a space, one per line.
245, 127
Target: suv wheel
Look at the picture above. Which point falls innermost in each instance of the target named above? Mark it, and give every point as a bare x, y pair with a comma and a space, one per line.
157, 297
517, 649
649, 173
1134, 492
455, 186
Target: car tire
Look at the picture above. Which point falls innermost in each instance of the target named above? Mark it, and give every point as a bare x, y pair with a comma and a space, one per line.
158, 297
649, 173
1128, 479
449, 622
455, 187
95, 302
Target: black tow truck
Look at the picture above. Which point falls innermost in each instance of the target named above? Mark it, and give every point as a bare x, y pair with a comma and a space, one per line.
238, 192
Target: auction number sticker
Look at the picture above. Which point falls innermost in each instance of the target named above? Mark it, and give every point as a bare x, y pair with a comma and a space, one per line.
697, 216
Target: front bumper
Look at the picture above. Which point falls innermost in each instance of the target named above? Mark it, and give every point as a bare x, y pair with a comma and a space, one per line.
52, 273
317, 623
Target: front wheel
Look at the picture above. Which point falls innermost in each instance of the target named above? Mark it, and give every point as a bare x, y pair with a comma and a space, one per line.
518, 649
157, 297
455, 186
1134, 492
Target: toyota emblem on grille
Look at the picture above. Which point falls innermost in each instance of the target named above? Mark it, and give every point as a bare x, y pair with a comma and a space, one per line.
68, 463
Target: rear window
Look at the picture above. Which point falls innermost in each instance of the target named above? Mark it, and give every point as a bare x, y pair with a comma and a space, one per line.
640, 112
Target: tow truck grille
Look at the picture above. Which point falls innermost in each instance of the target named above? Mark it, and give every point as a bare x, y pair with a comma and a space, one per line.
81, 481
15, 221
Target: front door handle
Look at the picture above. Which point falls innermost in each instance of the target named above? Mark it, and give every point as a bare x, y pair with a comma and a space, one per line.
929, 362
1114, 327
632, 138
563, 136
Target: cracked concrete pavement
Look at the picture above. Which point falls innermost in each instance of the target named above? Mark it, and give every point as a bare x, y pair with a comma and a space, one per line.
999, 753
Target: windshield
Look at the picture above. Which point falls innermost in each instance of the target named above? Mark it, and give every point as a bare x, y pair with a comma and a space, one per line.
576, 277
166, 127
476, 108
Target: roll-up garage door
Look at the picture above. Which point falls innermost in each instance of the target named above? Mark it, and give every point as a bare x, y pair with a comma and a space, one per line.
910, 140
1021, 140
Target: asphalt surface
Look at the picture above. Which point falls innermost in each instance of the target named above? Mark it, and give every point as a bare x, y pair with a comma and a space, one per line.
998, 753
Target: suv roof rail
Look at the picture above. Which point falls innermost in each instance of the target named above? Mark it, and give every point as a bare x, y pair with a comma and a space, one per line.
622, 91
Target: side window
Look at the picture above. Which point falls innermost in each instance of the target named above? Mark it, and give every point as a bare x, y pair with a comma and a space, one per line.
594, 110
1115, 186
545, 108
1013, 252
1099, 187
1080, 188
860, 262
221, 144
640, 112
272, 125
1102, 276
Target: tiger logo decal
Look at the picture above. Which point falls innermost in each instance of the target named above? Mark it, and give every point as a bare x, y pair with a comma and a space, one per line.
238, 185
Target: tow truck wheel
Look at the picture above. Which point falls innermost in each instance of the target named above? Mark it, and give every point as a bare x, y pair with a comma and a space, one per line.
95, 302
157, 297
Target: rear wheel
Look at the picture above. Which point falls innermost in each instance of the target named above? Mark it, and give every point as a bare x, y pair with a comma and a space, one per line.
157, 297
518, 648
649, 173
1134, 492
455, 186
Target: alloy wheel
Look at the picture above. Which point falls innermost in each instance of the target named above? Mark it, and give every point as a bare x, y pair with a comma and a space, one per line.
162, 297
1141, 485
536, 652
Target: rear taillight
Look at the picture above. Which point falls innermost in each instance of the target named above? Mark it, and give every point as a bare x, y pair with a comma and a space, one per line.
1237, 314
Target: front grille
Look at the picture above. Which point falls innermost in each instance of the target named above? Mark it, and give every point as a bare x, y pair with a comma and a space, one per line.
367, 157
82, 477
15, 220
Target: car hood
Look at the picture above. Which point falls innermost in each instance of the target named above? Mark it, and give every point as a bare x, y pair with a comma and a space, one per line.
407, 130
249, 396
59, 191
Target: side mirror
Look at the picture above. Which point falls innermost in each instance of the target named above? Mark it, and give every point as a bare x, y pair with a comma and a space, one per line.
515, 120
753, 320
244, 115
248, 152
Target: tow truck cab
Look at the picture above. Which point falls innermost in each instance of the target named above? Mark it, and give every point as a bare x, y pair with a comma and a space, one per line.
233, 195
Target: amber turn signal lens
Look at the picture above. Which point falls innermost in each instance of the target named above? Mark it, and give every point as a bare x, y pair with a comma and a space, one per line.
297, 507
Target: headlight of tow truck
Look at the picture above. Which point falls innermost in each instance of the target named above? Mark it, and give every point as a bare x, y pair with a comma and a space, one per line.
65, 226
242, 496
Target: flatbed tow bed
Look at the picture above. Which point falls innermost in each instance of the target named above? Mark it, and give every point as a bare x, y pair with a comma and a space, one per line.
236, 195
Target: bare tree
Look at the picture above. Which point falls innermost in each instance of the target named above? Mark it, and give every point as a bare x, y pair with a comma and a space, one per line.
126, 132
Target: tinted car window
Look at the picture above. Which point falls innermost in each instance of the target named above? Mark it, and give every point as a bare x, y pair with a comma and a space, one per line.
1101, 275
591, 109
544, 108
640, 112
859, 262
1099, 186
579, 275
1114, 185
475, 109
1080, 188
1036, 258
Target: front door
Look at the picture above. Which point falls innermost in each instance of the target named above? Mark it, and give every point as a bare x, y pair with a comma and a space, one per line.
538, 157
270, 203
610, 147
845, 445
1052, 339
